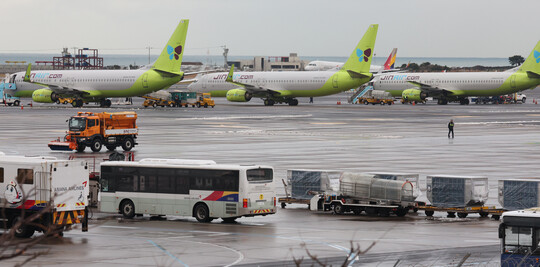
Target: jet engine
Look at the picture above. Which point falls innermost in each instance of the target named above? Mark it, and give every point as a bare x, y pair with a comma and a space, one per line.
44, 96
238, 95
414, 95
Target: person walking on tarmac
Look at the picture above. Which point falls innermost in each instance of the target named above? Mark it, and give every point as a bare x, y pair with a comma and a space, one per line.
451, 128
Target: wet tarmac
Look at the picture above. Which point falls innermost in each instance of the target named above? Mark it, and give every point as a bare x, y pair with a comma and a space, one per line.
499, 141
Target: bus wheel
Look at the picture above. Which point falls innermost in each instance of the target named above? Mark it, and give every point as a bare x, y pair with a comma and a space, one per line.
202, 214
229, 220
128, 209
24, 231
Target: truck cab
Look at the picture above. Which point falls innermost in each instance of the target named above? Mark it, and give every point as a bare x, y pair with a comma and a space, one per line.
7, 98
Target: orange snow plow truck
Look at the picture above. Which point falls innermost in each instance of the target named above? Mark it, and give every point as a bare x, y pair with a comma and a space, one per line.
99, 129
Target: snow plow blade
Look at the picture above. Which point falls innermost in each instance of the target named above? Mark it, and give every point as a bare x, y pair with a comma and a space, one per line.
62, 146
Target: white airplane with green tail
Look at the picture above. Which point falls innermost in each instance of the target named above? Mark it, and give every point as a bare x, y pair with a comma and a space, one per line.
47, 86
285, 87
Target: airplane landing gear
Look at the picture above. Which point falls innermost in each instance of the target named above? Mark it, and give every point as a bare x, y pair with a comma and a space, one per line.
105, 103
442, 101
77, 103
293, 102
269, 102
464, 101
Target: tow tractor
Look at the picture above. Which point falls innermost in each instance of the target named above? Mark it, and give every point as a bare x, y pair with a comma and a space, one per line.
155, 101
98, 129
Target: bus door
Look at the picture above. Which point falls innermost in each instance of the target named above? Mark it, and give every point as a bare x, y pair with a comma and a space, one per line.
147, 183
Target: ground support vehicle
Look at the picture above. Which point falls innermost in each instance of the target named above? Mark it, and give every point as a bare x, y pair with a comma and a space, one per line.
463, 212
155, 101
363, 193
375, 97
341, 205
374, 101
198, 188
97, 129
519, 233
8, 99
184, 99
204, 100
53, 191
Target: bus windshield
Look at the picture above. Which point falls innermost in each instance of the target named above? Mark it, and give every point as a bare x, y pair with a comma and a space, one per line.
77, 124
260, 175
518, 240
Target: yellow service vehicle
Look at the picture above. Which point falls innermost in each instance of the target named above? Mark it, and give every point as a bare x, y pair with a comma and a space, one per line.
155, 101
204, 100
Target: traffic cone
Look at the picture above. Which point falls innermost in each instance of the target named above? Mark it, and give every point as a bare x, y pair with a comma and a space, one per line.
31, 104
22, 106
339, 102
414, 103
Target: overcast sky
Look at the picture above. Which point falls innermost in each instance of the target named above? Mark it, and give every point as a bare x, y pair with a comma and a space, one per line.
422, 28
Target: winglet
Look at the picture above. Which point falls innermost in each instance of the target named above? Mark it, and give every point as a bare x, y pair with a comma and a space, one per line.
230, 75
27, 74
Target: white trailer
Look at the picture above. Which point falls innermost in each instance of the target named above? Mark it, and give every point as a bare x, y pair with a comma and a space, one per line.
360, 192
54, 191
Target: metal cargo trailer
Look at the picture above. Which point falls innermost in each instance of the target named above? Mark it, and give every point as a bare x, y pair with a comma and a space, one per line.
515, 194
457, 191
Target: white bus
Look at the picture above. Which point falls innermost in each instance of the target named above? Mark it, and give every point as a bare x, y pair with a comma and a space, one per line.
202, 189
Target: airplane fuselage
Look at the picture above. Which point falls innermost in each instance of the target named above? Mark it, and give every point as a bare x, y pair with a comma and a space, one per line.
96, 83
289, 84
458, 83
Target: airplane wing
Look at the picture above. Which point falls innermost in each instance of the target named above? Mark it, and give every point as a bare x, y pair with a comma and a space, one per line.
250, 87
429, 88
60, 90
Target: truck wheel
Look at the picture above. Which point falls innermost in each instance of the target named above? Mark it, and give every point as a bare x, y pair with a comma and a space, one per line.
81, 147
198, 105
382, 103
171, 105
400, 212
202, 214
154, 105
24, 231
429, 213
128, 209
96, 145
58, 102
283, 205
462, 215
338, 209
205, 105
366, 102
127, 145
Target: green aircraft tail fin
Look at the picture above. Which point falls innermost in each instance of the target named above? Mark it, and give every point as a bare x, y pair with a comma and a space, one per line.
170, 59
532, 63
360, 59
27, 73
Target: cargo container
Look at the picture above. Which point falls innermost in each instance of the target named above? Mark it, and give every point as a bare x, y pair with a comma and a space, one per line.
396, 176
457, 191
516, 194
306, 183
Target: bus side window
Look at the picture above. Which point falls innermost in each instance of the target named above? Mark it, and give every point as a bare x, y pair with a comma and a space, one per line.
142, 181
25, 176
182, 181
